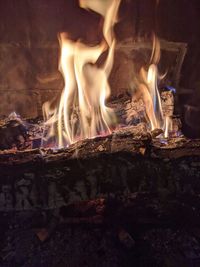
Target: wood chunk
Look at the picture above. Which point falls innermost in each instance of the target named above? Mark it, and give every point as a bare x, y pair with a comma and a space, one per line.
13, 134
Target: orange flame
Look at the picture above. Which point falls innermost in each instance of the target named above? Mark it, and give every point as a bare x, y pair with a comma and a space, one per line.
82, 111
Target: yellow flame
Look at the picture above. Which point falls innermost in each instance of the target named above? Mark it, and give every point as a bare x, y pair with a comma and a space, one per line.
152, 81
82, 111
151, 95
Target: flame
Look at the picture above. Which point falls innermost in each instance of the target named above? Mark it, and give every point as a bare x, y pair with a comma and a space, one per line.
168, 126
82, 111
151, 95
156, 115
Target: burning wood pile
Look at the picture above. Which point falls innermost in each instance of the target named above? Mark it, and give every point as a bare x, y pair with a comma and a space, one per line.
89, 124
86, 108
21, 134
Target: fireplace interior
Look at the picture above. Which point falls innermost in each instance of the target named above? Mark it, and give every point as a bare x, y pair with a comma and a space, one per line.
99, 133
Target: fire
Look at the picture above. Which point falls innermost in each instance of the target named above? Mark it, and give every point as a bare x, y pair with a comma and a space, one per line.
82, 111
156, 114
151, 95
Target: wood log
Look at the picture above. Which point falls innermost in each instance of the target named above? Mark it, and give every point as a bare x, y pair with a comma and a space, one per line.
132, 140
13, 134
127, 161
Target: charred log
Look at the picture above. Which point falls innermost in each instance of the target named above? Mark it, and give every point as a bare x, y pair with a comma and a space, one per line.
13, 134
127, 161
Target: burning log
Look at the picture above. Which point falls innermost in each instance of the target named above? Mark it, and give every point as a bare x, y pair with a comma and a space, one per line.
128, 161
136, 140
131, 116
131, 139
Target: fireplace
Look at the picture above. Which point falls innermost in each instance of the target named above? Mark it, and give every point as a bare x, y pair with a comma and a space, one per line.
99, 148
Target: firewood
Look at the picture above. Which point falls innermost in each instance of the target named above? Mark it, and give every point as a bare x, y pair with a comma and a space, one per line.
13, 134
